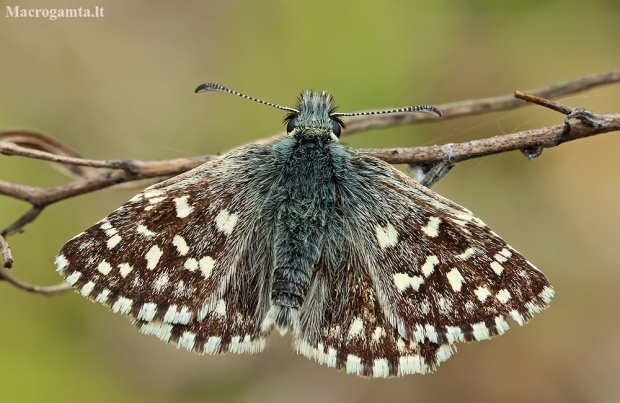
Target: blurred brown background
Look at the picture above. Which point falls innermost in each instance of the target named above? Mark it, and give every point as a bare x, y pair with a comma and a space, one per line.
121, 87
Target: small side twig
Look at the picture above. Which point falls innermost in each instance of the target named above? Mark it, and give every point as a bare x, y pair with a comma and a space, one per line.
5, 250
22, 285
556, 106
588, 118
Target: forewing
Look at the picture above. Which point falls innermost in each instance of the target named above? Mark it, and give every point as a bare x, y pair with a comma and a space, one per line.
170, 255
440, 274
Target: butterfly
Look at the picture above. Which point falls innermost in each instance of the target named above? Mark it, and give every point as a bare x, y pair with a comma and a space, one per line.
369, 271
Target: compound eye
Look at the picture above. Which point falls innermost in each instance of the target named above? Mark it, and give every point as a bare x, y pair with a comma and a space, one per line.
336, 128
291, 125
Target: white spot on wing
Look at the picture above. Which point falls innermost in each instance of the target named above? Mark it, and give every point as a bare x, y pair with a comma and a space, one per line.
454, 334
161, 282
501, 325
212, 346
181, 245
354, 364
206, 265
191, 264
183, 208
152, 257
177, 316
445, 307
386, 236
160, 330
546, 294
503, 296
331, 358
142, 230
147, 311
73, 278
381, 368
87, 289
240, 346
429, 265
411, 364
122, 305
356, 329
220, 308
103, 296
155, 200
61, 263
226, 222
430, 331
148, 193
499, 258
482, 293
505, 252
180, 289
402, 281
112, 242
104, 267
456, 279
516, 316
125, 269
469, 252
378, 334
432, 227
187, 340
480, 330
444, 352
497, 268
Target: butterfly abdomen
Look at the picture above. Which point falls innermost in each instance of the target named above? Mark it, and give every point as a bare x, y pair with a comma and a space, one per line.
303, 201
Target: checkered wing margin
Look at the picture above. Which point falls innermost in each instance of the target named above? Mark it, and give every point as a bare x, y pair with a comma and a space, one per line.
168, 256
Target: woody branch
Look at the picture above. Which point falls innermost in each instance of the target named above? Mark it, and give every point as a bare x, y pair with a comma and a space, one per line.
92, 175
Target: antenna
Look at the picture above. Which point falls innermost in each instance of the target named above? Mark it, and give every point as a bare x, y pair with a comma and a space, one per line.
420, 108
216, 87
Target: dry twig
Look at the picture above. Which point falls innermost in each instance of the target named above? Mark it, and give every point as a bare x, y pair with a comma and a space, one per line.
96, 174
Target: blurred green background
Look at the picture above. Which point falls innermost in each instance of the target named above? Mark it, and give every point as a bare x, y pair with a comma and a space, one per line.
121, 87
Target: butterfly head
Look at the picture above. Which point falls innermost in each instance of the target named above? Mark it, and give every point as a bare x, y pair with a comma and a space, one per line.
314, 118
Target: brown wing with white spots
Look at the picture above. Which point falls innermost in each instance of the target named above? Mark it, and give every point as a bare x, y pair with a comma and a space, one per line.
343, 326
168, 255
440, 274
